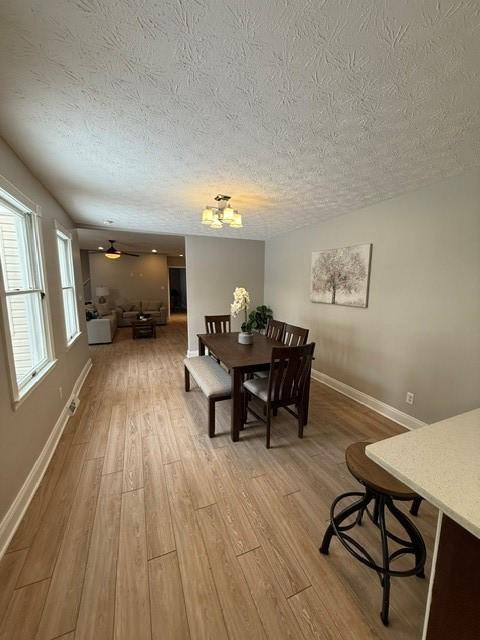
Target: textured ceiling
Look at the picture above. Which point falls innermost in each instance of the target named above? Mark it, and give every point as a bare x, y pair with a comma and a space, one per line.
140, 111
128, 241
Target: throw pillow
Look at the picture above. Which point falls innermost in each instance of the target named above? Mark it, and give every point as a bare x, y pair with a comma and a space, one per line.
103, 309
122, 304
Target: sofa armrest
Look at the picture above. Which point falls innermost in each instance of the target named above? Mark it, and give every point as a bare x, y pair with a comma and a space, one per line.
163, 315
99, 330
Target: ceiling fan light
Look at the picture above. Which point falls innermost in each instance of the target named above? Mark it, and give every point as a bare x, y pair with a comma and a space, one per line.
237, 221
112, 256
207, 215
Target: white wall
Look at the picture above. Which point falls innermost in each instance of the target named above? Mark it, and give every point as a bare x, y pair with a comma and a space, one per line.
24, 431
215, 266
176, 261
134, 279
85, 273
421, 330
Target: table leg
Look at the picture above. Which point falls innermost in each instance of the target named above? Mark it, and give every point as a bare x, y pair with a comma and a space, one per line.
237, 403
201, 347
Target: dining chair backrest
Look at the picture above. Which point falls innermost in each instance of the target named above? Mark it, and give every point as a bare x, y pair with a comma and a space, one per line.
289, 372
275, 329
294, 336
217, 324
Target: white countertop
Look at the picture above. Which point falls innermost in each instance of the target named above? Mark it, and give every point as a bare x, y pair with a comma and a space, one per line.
441, 462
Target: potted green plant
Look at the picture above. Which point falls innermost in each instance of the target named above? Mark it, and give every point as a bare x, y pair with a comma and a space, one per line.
259, 317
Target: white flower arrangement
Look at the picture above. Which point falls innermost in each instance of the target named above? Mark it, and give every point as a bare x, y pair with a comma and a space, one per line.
241, 302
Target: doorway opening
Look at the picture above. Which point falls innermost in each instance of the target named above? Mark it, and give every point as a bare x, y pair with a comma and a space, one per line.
177, 282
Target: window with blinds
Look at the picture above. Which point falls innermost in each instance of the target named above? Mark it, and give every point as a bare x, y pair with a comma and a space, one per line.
23, 295
67, 280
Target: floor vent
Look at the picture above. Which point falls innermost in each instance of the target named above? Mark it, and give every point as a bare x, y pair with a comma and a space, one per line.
73, 406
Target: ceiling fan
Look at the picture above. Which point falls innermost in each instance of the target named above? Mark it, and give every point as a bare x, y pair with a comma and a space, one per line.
113, 253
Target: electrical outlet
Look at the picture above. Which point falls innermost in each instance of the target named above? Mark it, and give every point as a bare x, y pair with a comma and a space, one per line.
73, 406
410, 397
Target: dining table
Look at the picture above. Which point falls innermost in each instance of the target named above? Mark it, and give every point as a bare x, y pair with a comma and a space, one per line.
241, 360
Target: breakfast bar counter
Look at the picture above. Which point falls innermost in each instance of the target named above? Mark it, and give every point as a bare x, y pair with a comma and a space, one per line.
441, 462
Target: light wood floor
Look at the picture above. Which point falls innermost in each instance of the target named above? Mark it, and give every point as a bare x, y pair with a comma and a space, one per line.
145, 528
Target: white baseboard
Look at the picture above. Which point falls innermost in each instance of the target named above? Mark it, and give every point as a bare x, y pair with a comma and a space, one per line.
192, 353
404, 419
17, 509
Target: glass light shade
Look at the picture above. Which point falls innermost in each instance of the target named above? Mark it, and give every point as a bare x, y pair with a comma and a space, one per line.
207, 216
237, 221
216, 224
112, 256
228, 214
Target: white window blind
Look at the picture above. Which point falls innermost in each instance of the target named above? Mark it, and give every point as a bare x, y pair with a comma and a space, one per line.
23, 294
67, 279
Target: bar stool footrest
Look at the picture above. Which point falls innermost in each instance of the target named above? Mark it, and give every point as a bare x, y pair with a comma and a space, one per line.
413, 545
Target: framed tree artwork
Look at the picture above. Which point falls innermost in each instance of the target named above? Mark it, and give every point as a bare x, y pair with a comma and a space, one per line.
341, 276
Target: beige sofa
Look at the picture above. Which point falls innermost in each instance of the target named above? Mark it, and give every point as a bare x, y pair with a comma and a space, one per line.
128, 311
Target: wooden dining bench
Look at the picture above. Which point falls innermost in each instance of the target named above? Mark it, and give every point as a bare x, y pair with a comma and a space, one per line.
212, 379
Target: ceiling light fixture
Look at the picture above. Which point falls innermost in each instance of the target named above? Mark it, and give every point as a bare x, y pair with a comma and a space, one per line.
100, 248
154, 251
222, 213
113, 253
180, 255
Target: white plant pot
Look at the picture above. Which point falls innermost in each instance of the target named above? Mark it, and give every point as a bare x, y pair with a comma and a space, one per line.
245, 338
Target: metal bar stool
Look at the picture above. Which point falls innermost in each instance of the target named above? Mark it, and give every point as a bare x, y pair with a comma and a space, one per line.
381, 489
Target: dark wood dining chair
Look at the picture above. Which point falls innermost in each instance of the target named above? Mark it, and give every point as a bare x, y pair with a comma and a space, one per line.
217, 324
275, 329
290, 335
286, 385
294, 336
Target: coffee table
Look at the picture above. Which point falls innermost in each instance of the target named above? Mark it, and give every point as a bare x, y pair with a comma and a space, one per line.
144, 328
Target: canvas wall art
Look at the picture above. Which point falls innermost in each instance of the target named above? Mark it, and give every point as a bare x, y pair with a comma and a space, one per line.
341, 276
